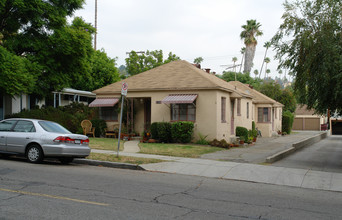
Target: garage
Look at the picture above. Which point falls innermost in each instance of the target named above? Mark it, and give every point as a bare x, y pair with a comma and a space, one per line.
307, 124
336, 127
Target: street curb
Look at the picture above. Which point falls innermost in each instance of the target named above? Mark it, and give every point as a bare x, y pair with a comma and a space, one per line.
296, 146
108, 164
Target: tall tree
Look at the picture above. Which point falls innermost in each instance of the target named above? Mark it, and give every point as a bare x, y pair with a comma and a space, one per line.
267, 61
308, 43
250, 31
256, 72
136, 63
267, 45
242, 51
234, 59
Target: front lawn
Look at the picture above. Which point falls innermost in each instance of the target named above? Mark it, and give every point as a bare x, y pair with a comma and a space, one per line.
177, 150
105, 144
122, 159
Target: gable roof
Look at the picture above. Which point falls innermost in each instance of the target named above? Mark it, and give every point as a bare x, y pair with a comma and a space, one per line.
258, 97
176, 75
303, 110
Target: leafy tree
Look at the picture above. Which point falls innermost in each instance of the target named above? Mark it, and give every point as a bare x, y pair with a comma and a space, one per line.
198, 60
308, 43
28, 33
234, 59
103, 72
284, 96
250, 31
241, 77
136, 63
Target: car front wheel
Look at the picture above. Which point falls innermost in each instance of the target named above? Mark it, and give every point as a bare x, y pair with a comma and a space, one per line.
34, 154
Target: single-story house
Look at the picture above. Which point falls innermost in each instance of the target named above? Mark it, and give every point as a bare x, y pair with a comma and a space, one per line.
10, 105
179, 91
307, 120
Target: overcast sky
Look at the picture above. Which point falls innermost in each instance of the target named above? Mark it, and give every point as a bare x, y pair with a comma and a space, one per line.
188, 28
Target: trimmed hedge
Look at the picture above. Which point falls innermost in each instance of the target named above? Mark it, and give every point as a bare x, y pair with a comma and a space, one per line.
161, 131
242, 132
287, 122
172, 132
182, 131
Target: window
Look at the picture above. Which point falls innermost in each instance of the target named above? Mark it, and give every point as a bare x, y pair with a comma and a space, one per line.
7, 125
109, 113
223, 109
53, 127
247, 109
24, 126
183, 112
239, 107
264, 115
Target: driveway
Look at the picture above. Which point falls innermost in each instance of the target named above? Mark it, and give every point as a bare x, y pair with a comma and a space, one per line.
325, 155
263, 148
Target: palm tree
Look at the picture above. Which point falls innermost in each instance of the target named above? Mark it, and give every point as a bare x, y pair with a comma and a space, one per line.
242, 51
256, 72
234, 61
266, 60
266, 45
198, 60
250, 31
268, 71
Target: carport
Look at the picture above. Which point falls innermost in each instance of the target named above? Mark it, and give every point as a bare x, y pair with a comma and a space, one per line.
336, 126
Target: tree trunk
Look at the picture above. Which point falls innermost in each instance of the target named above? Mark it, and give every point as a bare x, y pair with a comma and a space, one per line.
249, 57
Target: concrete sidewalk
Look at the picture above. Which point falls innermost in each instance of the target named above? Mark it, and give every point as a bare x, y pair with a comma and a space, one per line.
231, 170
302, 178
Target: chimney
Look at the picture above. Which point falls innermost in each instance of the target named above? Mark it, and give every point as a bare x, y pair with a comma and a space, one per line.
207, 70
197, 65
214, 73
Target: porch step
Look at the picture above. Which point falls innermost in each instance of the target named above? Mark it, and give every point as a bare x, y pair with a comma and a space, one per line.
136, 138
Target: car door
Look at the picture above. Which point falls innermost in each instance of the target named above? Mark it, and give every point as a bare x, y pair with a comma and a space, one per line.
5, 128
22, 133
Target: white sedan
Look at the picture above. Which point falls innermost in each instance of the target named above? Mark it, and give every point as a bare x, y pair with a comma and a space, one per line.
39, 139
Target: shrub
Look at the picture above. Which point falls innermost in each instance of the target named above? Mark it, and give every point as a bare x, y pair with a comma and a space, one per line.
69, 116
164, 132
215, 143
287, 122
224, 144
154, 130
100, 126
241, 132
182, 131
202, 139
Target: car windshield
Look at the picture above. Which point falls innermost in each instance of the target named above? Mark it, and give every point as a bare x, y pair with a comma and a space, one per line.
53, 127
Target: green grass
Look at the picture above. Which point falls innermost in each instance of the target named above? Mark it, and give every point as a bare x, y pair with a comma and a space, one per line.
105, 144
177, 150
122, 159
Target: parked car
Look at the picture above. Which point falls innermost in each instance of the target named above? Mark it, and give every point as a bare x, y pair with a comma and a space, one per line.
39, 139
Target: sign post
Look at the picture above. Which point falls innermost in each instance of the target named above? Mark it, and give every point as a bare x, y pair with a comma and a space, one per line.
124, 94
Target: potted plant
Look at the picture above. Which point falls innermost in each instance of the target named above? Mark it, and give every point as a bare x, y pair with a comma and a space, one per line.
242, 140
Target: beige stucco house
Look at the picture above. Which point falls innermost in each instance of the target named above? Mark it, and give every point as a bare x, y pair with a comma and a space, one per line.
179, 91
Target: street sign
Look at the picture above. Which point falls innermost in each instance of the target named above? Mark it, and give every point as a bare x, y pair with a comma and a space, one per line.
124, 89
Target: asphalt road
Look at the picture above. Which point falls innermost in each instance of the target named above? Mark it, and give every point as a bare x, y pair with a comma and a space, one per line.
325, 155
54, 191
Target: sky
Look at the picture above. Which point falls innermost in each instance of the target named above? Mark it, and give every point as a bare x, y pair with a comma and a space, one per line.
188, 28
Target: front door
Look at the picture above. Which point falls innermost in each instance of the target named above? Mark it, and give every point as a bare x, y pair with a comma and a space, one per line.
147, 120
232, 116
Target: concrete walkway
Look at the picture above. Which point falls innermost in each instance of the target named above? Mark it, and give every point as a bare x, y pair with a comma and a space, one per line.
131, 147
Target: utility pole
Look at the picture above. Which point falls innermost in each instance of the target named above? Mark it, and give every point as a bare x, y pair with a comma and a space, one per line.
95, 25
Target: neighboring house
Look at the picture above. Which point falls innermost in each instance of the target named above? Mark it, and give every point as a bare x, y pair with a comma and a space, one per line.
267, 113
179, 91
10, 105
307, 119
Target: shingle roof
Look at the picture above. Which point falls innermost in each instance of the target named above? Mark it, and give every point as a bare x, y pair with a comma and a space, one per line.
176, 75
258, 97
303, 110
